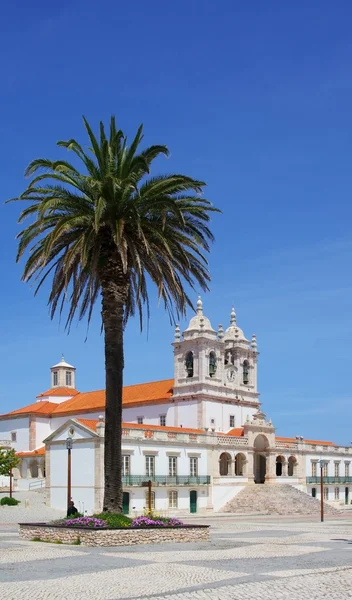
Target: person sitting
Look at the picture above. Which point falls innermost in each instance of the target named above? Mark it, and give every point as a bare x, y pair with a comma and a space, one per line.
72, 510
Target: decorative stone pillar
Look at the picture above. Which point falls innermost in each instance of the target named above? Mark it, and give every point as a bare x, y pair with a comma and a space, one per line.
250, 466
270, 476
40, 470
284, 469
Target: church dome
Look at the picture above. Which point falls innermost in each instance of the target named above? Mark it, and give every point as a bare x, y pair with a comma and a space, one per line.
234, 333
199, 322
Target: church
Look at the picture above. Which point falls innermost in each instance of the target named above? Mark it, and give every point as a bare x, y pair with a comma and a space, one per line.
201, 438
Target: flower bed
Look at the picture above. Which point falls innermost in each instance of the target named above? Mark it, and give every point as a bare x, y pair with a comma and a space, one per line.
90, 535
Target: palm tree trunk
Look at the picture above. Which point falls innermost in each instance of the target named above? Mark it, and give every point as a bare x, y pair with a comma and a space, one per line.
114, 294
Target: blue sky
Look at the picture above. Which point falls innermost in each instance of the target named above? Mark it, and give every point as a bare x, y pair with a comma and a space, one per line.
252, 97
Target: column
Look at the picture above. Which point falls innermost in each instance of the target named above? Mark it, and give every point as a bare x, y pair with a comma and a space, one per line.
270, 476
250, 466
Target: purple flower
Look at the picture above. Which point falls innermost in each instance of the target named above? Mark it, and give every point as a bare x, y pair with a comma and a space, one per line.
84, 522
155, 522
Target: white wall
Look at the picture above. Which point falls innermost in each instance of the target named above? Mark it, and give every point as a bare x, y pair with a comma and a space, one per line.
82, 478
21, 426
150, 413
223, 494
220, 411
138, 500
138, 461
186, 414
42, 430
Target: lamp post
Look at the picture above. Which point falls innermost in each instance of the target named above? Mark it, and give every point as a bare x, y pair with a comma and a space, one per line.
69, 448
322, 463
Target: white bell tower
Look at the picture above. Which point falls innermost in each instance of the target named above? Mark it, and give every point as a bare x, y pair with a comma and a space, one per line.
217, 371
63, 375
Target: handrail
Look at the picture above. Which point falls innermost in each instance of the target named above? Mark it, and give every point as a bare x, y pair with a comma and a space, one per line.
141, 480
36, 484
329, 479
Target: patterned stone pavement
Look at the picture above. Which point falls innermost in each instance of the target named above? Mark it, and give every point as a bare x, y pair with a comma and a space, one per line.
267, 558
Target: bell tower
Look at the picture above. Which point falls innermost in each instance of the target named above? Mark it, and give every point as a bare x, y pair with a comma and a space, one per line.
63, 375
197, 356
215, 374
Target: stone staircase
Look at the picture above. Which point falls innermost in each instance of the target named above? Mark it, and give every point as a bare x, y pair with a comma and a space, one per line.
276, 499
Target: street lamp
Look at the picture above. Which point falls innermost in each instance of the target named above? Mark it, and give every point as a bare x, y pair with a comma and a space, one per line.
322, 463
69, 442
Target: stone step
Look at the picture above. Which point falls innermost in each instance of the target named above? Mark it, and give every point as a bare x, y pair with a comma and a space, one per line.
279, 499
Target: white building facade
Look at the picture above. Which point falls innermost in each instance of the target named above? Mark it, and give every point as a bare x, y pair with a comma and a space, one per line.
199, 438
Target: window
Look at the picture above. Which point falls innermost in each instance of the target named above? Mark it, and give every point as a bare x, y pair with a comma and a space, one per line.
189, 364
173, 498
152, 501
314, 469
140, 420
232, 420
212, 421
68, 378
13, 436
172, 466
150, 466
245, 372
326, 493
125, 465
325, 469
337, 493
193, 466
163, 420
337, 469
55, 378
212, 364
347, 469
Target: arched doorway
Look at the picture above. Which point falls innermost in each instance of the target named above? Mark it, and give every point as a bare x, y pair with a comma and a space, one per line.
292, 466
240, 461
279, 466
33, 467
224, 464
261, 444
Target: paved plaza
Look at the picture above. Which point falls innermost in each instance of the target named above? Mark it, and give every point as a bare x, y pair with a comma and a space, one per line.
257, 557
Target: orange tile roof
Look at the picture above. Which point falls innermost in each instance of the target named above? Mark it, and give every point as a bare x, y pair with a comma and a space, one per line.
38, 452
59, 391
90, 423
313, 442
142, 393
237, 432
161, 428
38, 408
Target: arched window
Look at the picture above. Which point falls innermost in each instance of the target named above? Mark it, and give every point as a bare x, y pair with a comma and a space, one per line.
240, 461
212, 364
189, 364
280, 460
224, 463
246, 372
292, 466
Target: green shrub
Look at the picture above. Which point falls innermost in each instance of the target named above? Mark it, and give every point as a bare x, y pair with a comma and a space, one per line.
77, 542
7, 501
57, 542
36, 539
114, 520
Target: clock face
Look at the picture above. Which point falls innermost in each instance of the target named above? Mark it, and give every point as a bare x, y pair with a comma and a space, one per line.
231, 374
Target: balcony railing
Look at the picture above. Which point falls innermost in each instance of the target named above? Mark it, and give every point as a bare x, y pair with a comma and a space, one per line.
140, 480
328, 480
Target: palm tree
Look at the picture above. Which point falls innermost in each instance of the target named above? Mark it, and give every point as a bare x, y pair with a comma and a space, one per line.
107, 229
